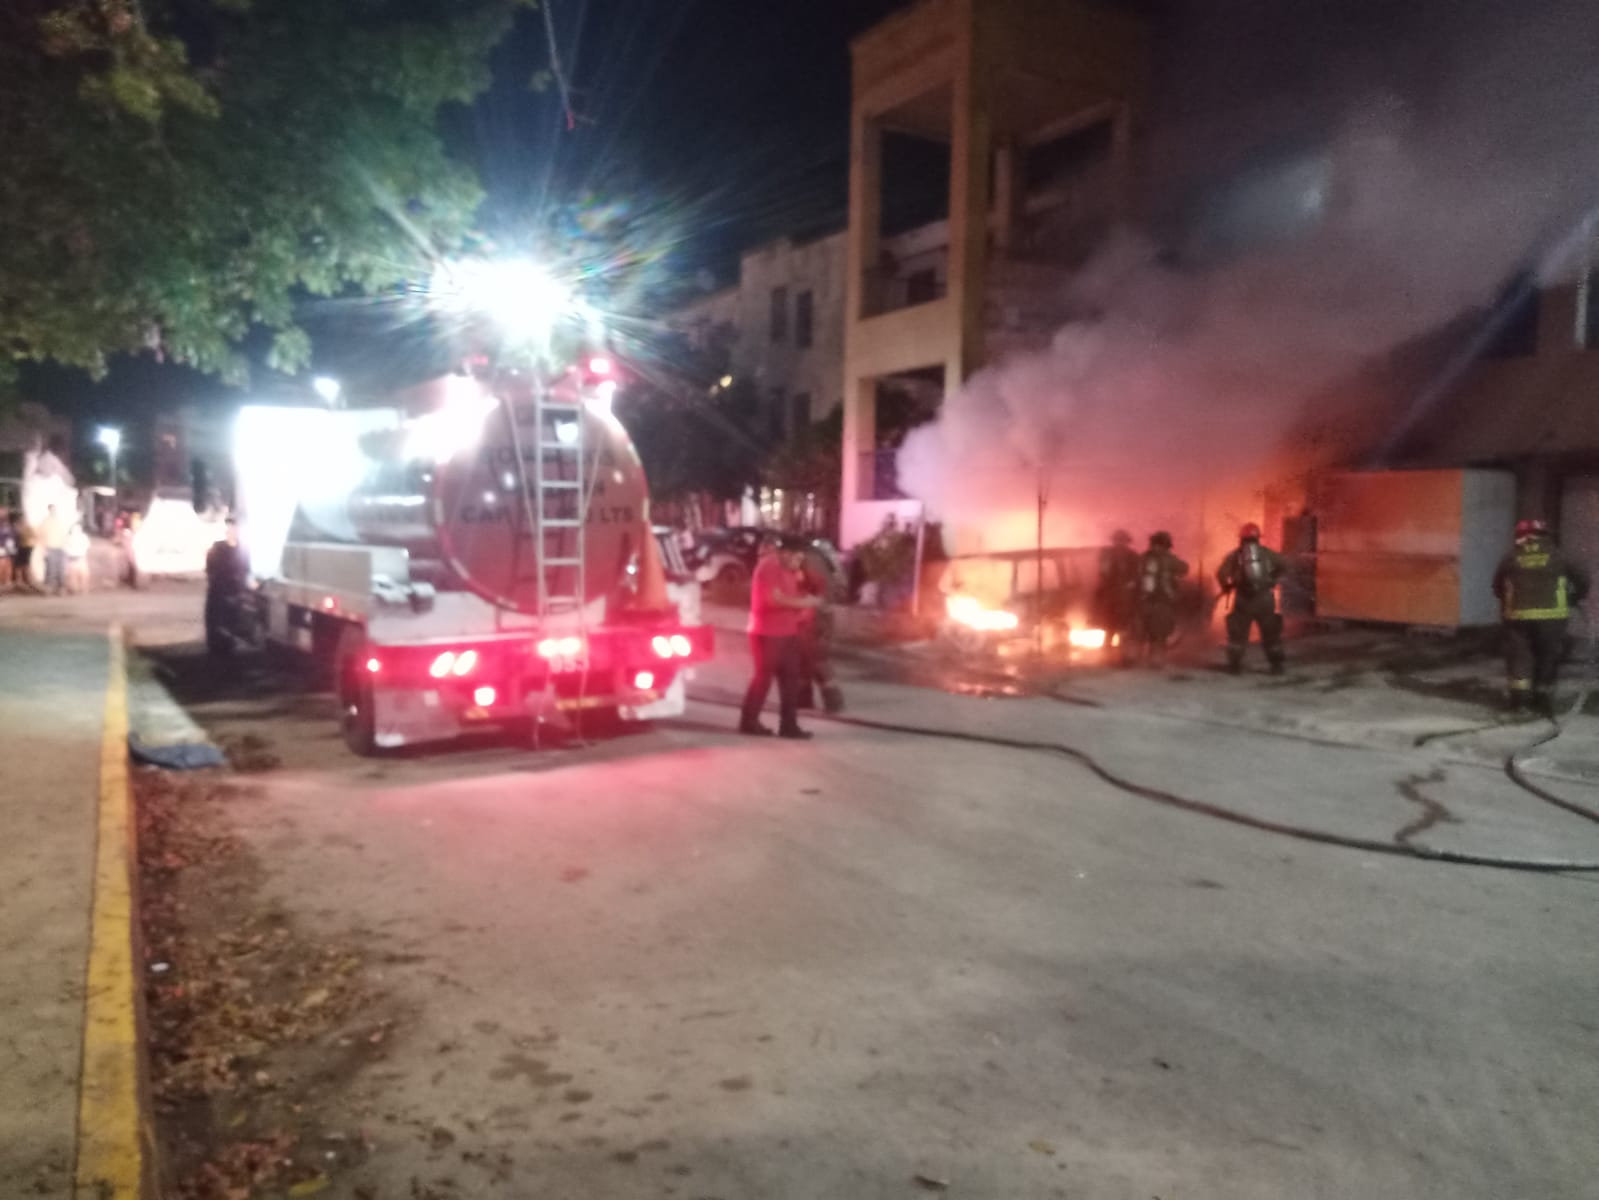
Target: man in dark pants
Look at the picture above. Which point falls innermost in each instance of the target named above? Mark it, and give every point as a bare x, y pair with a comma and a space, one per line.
1159, 575
227, 578
1251, 573
777, 606
1115, 594
1537, 587
818, 578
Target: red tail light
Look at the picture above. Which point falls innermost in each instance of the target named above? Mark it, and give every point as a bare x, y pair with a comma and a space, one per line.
452, 662
373, 665
644, 680
483, 697
562, 647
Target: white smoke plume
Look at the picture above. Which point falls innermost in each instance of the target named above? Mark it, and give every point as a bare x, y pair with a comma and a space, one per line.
1425, 191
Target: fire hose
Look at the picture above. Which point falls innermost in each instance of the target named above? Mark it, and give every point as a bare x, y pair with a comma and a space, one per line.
1558, 726
1170, 799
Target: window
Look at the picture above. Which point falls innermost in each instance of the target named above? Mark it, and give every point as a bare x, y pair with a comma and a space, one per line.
779, 313
804, 319
921, 286
799, 411
776, 412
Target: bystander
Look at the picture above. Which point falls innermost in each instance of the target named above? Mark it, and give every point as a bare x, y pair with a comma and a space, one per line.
777, 607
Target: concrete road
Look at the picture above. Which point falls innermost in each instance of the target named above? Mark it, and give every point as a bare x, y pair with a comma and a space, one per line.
52, 702
686, 964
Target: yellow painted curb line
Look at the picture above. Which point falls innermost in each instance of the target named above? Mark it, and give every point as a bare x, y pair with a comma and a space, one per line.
111, 1156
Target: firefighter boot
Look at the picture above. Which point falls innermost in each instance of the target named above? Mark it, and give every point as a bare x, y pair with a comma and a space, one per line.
1235, 660
833, 698
1543, 703
1278, 666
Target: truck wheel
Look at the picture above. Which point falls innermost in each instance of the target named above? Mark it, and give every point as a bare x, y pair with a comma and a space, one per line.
357, 715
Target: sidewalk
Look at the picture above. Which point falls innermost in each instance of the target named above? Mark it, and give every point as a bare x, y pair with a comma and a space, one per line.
51, 712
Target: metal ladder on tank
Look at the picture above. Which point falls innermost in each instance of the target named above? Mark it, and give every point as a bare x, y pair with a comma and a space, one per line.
557, 499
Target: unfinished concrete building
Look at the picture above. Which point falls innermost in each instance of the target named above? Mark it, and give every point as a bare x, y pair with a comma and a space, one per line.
1031, 109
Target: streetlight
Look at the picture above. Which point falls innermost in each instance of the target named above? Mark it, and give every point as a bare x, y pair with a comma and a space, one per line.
523, 299
328, 388
110, 437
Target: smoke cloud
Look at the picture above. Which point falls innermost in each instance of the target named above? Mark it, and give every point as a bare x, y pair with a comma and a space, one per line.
1436, 154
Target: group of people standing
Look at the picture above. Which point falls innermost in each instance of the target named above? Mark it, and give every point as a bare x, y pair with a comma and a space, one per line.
58, 543
1139, 603
791, 628
1138, 597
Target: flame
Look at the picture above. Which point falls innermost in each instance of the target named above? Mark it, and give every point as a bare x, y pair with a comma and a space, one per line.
968, 610
1087, 639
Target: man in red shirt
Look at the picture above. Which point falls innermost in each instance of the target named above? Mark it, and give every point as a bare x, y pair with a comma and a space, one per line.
777, 608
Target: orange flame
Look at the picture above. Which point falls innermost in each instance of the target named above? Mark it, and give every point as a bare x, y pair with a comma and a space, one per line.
968, 610
1087, 639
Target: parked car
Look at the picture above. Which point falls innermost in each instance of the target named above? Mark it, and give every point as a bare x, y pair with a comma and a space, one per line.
726, 557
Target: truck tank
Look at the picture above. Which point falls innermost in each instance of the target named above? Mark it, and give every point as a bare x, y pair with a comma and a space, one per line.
439, 472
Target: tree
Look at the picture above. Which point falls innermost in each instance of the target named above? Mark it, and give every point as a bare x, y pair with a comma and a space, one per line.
695, 435
809, 464
178, 175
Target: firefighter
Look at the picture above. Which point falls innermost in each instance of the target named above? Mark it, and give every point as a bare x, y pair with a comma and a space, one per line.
1159, 572
1537, 587
1115, 596
820, 578
1250, 574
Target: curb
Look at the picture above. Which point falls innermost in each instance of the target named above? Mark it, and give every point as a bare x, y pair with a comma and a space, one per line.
115, 1136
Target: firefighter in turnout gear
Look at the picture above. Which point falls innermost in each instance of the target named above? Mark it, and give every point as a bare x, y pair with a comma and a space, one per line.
1115, 596
1159, 572
1250, 573
1537, 587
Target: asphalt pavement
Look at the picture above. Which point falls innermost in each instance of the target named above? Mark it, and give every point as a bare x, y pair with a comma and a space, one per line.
683, 963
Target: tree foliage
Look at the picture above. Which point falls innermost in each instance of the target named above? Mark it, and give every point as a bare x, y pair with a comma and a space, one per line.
695, 436
179, 174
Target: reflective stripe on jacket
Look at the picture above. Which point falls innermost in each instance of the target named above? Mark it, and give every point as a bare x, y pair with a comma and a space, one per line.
1535, 582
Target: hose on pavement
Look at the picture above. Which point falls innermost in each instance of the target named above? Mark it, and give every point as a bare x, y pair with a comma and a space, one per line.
1513, 769
1169, 799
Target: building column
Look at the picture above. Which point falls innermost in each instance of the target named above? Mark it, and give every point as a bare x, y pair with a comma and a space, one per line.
1008, 191
860, 436
862, 245
970, 149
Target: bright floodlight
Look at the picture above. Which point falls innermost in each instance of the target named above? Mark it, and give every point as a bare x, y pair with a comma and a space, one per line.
327, 387
515, 293
110, 437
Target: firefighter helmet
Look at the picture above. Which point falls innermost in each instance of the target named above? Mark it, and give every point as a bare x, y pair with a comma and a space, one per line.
1531, 527
1160, 539
1121, 538
1249, 533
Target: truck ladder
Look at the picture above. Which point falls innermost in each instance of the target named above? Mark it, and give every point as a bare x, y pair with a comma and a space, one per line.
557, 503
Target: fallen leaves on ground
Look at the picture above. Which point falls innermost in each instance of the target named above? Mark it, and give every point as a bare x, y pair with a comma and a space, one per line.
250, 1019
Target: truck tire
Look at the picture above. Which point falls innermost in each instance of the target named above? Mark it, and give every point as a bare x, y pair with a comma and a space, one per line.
357, 714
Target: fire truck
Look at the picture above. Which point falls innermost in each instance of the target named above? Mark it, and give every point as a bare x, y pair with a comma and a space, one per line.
474, 552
